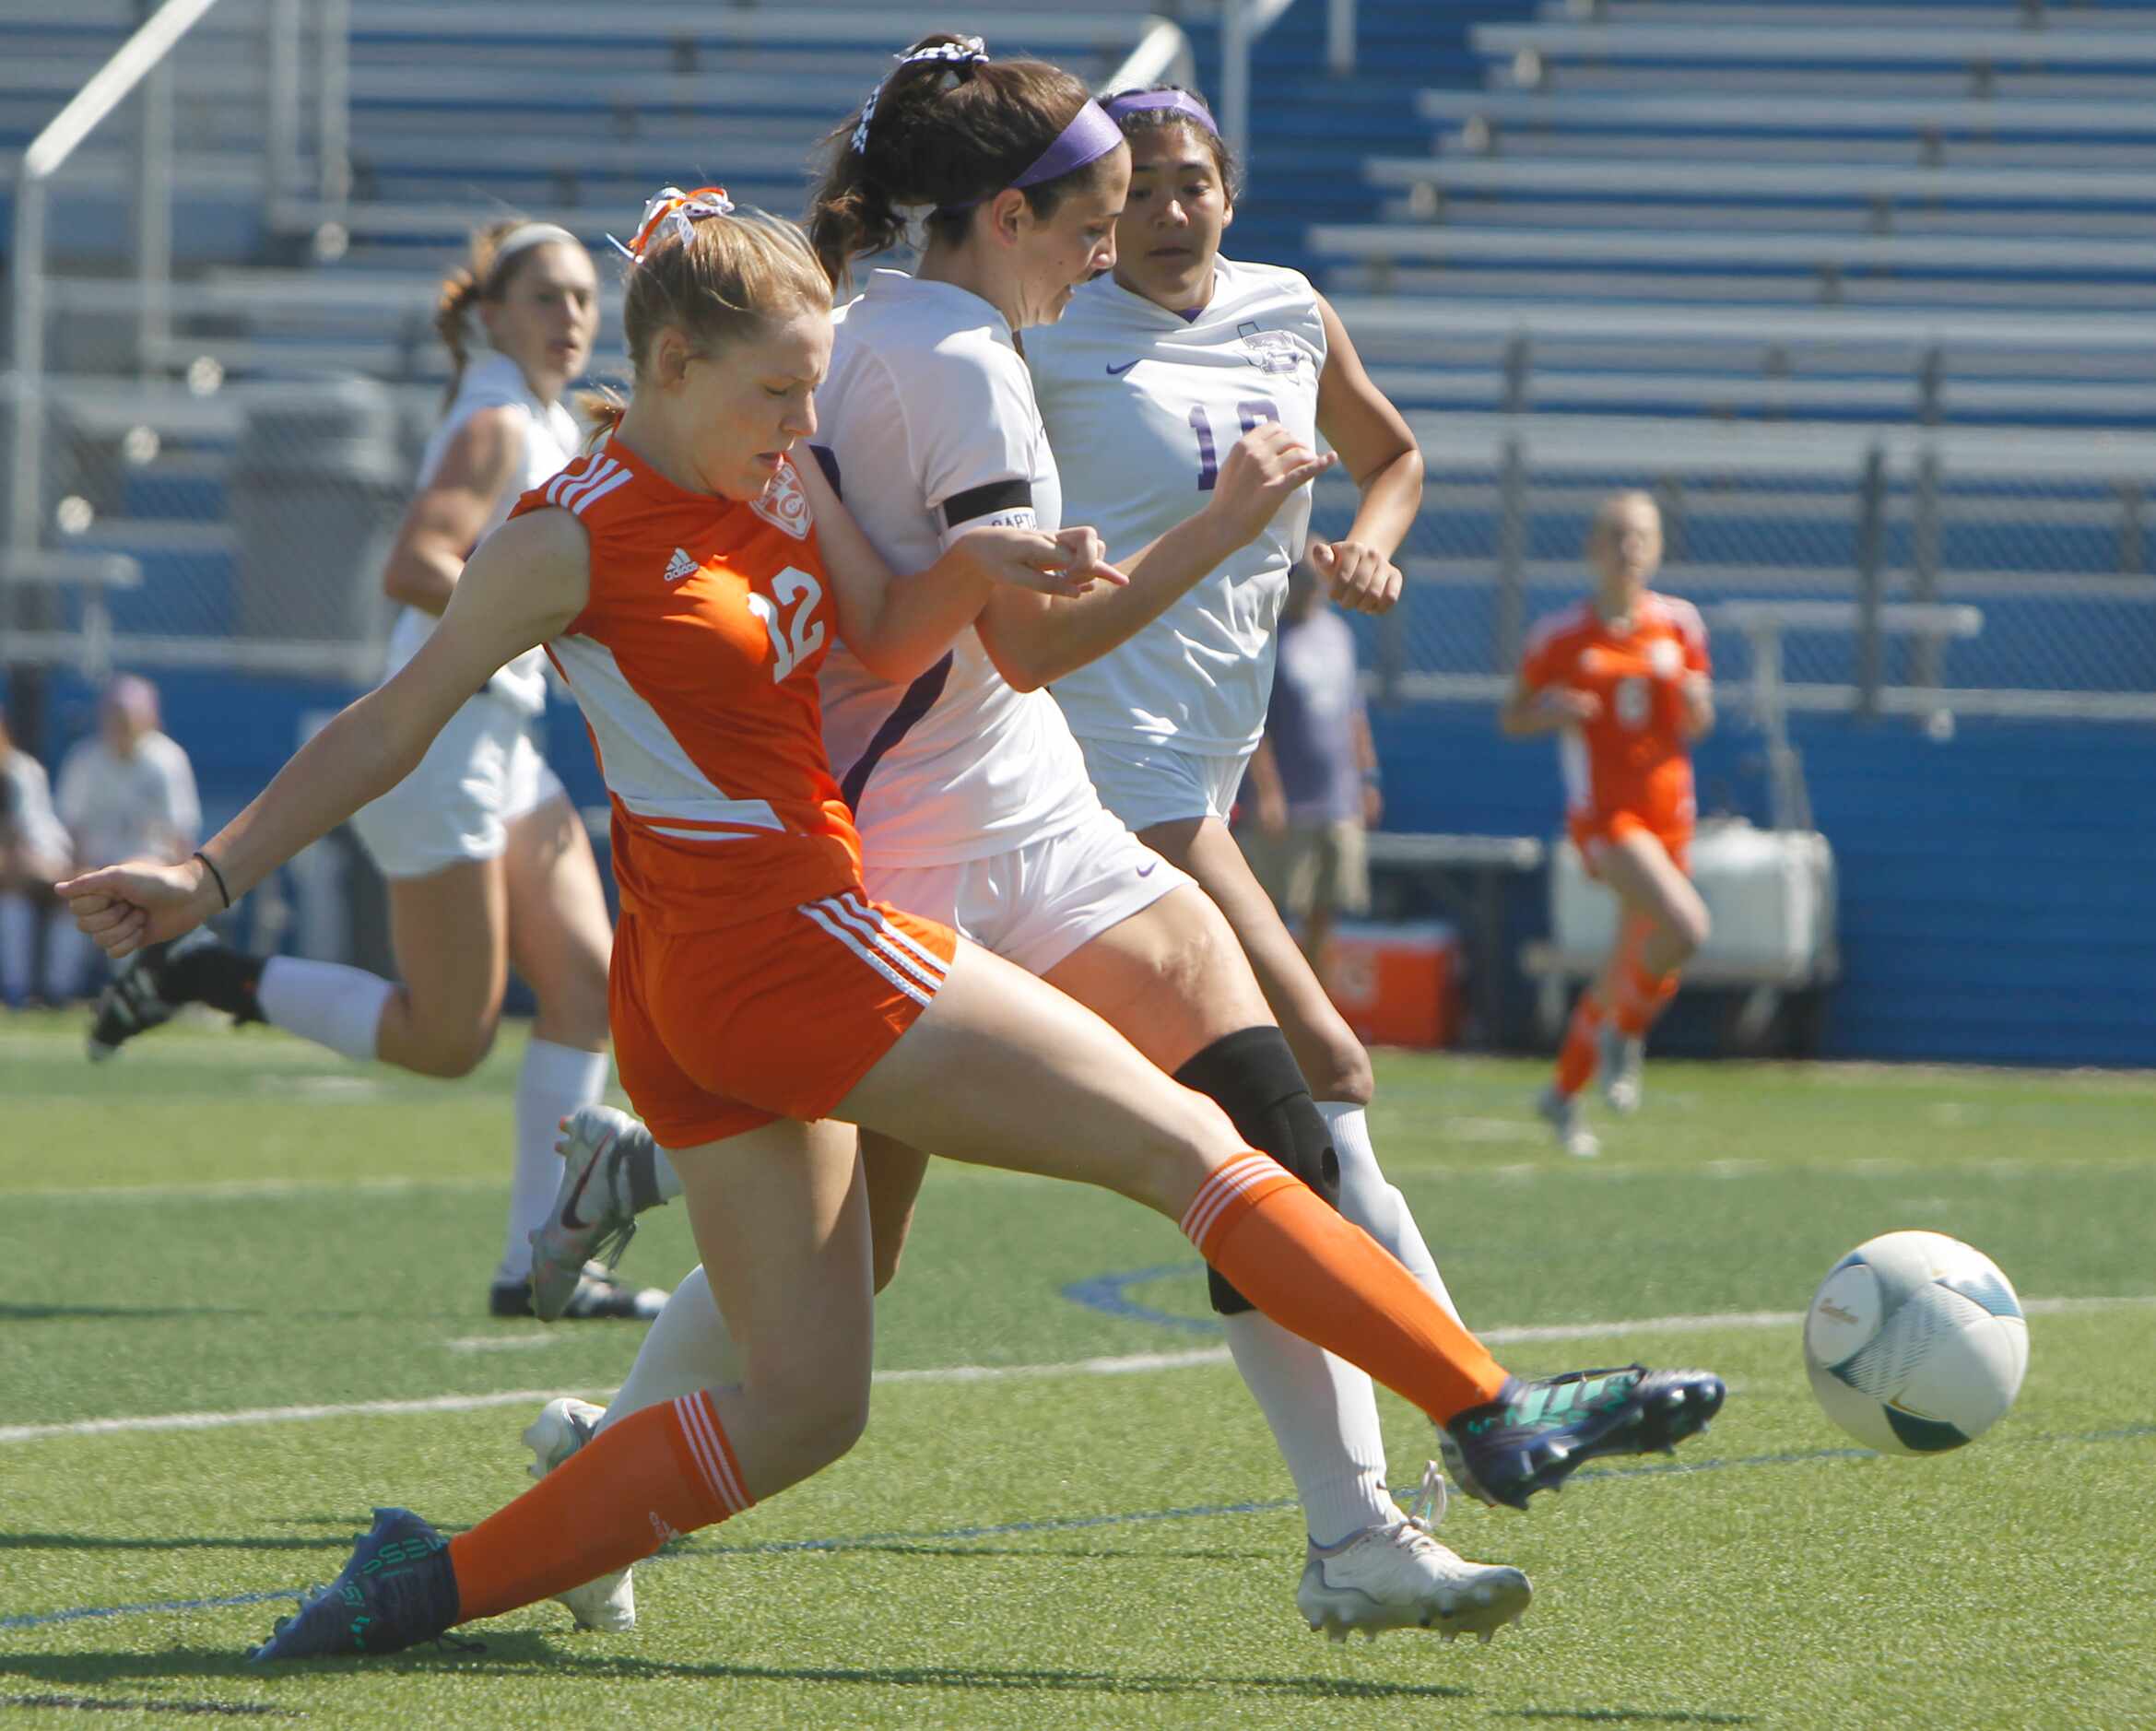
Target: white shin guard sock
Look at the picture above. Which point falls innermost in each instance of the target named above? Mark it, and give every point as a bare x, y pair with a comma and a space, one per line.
326, 1002
1376, 1206
553, 1081
1322, 1414
687, 1348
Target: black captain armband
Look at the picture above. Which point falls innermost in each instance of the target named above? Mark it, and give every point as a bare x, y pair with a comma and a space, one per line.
994, 504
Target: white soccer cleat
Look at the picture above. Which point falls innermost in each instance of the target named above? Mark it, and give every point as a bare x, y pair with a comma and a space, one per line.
564, 1426
1400, 1577
1562, 1113
1625, 1059
594, 1211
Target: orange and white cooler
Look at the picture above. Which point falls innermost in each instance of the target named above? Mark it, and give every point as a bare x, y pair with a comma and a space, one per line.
1398, 985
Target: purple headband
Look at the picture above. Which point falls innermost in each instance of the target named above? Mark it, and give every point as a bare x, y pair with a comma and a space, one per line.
1180, 101
1090, 136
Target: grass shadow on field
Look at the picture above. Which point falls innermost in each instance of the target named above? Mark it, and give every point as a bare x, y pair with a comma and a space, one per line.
1625, 1715
1048, 1554
525, 1651
114, 1312
183, 1541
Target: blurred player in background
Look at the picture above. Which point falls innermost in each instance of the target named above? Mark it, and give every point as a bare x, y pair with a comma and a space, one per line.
1313, 792
762, 1006
974, 801
33, 853
1622, 679
128, 790
486, 859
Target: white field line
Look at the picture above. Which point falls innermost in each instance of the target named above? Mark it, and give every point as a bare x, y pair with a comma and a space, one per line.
1125, 1365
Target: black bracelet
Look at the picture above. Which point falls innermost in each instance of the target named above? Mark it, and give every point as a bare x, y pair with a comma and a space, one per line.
212, 867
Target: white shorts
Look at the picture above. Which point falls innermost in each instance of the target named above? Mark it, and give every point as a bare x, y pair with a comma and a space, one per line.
479, 776
1036, 904
1146, 783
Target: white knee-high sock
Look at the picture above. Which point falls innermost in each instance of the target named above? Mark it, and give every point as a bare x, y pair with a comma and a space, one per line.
1376, 1206
553, 1081
687, 1348
1322, 1414
326, 1002
18, 945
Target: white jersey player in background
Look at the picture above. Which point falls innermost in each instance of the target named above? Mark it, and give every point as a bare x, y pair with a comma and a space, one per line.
486, 859
971, 794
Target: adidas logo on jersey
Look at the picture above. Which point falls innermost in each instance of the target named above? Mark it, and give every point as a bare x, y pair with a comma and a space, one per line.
681, 566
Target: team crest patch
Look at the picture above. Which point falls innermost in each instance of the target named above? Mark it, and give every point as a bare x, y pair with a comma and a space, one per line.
1269, 351
783, 504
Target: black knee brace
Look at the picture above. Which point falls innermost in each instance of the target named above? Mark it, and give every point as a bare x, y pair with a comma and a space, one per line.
1252, 1076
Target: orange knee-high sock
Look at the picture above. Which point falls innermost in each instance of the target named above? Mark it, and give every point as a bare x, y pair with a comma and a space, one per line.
1640, 997
657, 1474
1283, 1248
1576, 1057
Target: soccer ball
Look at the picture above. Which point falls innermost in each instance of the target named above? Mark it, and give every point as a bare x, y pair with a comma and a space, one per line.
1916, 1343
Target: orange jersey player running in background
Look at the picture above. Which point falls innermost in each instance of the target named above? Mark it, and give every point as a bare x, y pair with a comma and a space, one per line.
1622, 678
768, 1008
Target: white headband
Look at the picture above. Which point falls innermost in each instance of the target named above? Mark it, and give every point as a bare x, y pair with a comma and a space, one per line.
529, 234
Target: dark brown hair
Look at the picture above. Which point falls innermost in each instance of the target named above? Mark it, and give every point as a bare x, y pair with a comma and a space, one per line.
479, 278
730, 279
1149, 119
947, 134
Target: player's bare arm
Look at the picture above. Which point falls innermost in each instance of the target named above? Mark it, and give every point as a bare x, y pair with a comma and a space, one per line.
522, 586
1379, 453
446, 519
897, 627
1529, 711
1034, 641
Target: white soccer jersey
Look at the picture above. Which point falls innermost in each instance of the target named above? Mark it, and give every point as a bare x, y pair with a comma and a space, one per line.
1141, 403
550, 440
929, 416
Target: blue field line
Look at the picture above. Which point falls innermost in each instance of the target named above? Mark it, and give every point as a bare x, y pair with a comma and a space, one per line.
1110, 1295
1070, 1524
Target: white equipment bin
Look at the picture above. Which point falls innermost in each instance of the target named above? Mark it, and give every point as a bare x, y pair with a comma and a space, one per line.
1769, 892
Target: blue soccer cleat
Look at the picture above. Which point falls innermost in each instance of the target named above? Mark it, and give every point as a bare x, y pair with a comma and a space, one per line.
1534, 1434
397, 1590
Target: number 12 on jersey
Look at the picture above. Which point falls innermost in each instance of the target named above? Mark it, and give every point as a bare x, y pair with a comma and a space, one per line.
803, 635
1251, 412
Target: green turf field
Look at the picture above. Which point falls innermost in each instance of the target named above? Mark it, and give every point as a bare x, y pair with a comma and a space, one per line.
238, 1227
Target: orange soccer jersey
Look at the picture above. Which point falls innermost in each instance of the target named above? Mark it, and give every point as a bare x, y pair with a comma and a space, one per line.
1630, 762
751, 980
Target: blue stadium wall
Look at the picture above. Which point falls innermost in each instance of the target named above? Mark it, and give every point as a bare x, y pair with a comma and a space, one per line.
1997, 890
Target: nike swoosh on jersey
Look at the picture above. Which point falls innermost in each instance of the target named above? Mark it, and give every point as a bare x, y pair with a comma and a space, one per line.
1147, 871
1116, 372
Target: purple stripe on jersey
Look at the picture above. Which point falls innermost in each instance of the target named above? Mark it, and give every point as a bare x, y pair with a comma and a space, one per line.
919, 700
828, 461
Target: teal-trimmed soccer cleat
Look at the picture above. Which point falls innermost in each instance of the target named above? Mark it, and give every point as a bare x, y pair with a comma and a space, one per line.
1534, 1433
1562, 1112
397, 1590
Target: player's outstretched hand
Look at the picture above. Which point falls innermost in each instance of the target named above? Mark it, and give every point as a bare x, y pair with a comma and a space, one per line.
1261, 470
127, 907
1356, 575
1068, 562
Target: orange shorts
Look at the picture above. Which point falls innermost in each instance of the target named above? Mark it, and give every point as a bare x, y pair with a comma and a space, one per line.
1591, 834
716, 1033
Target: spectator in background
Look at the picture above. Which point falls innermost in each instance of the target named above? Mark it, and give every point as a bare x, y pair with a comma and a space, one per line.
127, 792
1314, 778
33, 853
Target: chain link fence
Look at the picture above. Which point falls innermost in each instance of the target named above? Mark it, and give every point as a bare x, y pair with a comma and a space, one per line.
245, 528
1812, 546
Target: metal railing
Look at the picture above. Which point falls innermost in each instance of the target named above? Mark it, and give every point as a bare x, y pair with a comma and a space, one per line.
1241, 23
145, 61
